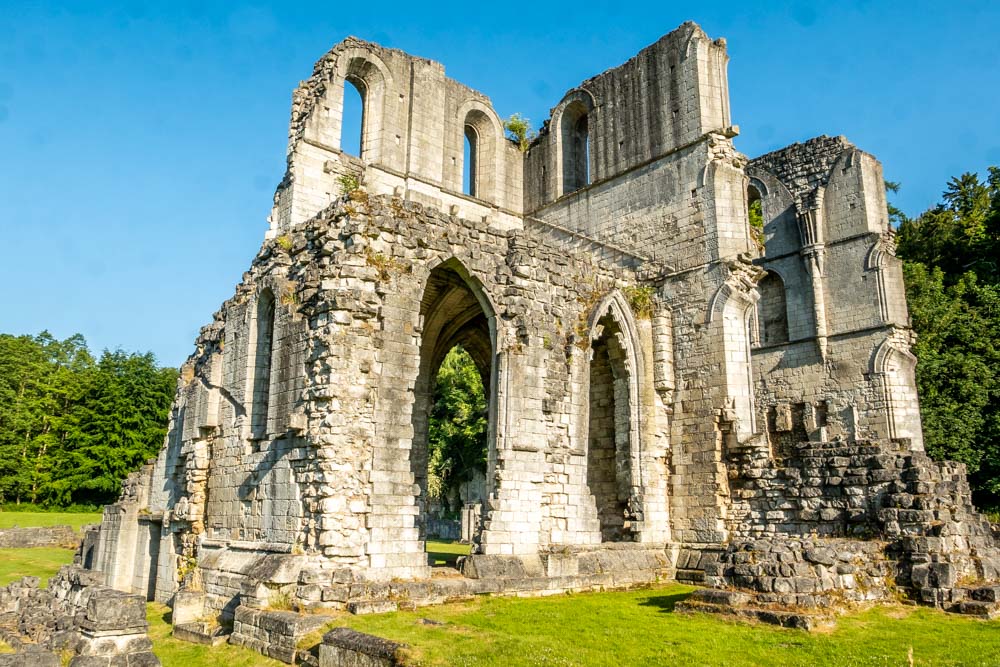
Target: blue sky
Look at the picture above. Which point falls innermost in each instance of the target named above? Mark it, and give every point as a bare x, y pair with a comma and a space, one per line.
140, 143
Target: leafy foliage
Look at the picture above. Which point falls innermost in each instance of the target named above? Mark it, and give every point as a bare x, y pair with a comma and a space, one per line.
640, 300
458, 423
519, 131
950, 255
72, 426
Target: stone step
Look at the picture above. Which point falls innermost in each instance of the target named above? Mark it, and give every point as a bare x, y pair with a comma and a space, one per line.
781, 617
979, 609
690, 576
989, 593
200, 632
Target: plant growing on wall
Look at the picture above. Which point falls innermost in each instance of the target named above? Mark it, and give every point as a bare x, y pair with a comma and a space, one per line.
519, 131
756, 215
640, 300
348, 184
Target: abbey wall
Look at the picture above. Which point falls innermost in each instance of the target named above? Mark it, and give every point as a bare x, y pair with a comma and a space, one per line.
665, 379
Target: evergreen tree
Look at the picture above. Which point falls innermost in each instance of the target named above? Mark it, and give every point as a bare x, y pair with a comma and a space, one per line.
71, 428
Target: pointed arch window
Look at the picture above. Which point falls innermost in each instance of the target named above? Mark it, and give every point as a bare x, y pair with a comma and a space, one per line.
470, 173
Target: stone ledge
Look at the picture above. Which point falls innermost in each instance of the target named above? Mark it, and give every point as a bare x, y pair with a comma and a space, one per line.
201, 632
343, 646
786, 619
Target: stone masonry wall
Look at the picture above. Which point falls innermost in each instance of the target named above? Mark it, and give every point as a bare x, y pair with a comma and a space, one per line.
920, 508
415, 122
350, 288
47, 536
827, 239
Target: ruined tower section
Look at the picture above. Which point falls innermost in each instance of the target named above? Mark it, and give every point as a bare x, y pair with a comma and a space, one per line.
831, 336
641, 157
414, 128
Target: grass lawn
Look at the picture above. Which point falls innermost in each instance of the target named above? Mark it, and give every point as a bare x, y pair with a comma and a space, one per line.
176, 653
446, 552
595, 629
42, 562
640, 628
28, 519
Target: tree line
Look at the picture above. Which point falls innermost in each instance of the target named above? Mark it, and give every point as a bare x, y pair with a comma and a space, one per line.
73, 425
950, 254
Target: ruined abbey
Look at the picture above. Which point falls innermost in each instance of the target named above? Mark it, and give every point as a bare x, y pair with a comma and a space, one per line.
673, 392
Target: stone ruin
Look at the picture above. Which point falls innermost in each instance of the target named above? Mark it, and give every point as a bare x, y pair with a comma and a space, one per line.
77, 621
672, 392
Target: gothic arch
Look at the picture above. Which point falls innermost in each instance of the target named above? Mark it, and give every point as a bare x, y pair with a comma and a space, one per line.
772, 309
781, 229
454, 310
260, 357
893, 367
730, 308
487, 172
574, 154
366, 72
614, 431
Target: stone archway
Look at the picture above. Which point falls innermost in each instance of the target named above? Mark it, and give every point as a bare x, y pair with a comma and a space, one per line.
613, 447
454, 311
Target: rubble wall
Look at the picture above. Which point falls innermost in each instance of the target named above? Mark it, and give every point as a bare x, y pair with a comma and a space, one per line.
75, 618
921, 509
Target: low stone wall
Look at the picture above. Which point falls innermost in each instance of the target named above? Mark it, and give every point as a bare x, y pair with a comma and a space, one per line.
76, 615
275, 634
343, 647
837, 522
805, 572
38, 536
610, 566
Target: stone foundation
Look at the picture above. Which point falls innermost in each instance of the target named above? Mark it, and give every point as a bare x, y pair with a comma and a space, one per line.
835, 524
77, 616
343, 647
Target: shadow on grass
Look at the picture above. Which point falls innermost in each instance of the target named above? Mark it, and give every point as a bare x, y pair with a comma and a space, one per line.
443, 558
664, 603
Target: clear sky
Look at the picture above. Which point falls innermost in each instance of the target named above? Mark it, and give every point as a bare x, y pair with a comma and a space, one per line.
140, 143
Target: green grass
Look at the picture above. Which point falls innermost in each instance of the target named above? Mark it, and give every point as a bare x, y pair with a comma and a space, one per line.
42, 562
641, 628
603, 629
446, 552
176, 653
31, 519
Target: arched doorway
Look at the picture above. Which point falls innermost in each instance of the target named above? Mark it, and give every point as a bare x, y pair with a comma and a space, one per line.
452, 469
611, 432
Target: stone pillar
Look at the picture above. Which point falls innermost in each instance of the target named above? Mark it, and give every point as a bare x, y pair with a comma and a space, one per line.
813, 251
